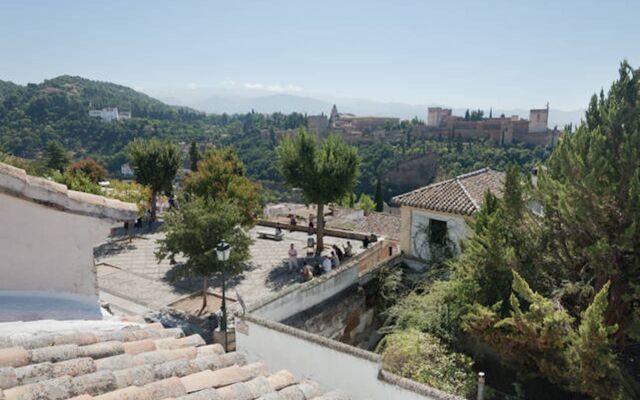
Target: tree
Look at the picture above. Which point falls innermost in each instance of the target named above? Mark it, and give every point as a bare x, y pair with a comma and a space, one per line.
90, 168
366, 204
194, 231
379, 198
155, 164
194, 156
591, 196
55, 156
221, 176
220, 203
324, 171
467, 117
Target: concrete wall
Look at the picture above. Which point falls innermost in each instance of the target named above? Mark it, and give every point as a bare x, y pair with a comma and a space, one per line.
47, 250
413, 220
334, 364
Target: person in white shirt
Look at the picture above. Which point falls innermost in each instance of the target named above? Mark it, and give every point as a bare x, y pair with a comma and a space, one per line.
293, 257
326, 265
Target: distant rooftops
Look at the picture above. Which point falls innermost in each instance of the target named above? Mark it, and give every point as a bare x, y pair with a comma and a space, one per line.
15, 182
460, 195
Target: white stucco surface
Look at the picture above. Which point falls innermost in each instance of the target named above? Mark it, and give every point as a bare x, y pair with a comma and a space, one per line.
43, 249
354, 375
414, 243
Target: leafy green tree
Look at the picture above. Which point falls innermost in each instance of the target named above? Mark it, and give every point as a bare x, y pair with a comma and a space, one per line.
194, 156
55, 156
366, 204
324, 171
90, 168
221, 176
155, 164
379, 198
195, 230
77, 181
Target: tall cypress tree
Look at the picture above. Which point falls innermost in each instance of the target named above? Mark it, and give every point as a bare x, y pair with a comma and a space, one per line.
591, 200
378, 197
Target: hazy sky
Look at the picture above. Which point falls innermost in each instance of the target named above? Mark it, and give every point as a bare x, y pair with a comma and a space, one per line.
459, 53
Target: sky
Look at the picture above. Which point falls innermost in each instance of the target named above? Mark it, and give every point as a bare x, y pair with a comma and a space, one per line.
456, 53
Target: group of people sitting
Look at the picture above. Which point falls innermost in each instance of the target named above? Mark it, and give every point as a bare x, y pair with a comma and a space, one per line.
327, 262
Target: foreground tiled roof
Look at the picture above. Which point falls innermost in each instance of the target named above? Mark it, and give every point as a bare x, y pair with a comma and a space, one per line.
460, 195
16, 182
138, 363
383, 224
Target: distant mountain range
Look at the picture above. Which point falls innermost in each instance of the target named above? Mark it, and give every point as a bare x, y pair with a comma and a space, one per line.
238, 101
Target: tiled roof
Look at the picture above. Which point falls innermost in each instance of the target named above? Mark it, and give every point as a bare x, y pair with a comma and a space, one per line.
460, 195
138, 363
382, 224
16, 182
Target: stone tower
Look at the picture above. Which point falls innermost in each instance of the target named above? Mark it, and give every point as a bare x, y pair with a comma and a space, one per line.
334, 113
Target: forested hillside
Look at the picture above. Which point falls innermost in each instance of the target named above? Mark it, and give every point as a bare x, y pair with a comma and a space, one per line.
31, 116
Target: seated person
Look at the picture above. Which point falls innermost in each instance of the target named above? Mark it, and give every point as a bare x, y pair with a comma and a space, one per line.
278, 229
307, 273
335, 261
326, 265
348, 250
365, 242
338, 252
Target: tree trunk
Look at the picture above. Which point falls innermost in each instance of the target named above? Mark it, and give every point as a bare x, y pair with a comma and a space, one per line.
205, 286
154, 197
320, 229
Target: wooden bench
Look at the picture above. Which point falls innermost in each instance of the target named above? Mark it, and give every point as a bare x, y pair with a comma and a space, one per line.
270, 236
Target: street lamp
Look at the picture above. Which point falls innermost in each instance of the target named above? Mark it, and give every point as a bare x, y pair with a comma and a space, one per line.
222, 251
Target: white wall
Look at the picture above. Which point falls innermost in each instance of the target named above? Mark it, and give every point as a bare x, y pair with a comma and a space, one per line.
302, 297
457, 230
46, 250
333, 364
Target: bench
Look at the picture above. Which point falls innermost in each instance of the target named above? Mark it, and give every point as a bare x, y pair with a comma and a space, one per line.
270, 236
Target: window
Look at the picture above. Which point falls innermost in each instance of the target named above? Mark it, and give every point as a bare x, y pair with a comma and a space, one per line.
438, 232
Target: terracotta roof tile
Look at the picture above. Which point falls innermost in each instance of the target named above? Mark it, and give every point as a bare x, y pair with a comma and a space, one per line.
139, 364
460, 195
382, 224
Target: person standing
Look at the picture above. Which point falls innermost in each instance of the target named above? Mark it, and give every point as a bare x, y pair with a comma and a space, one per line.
293, 257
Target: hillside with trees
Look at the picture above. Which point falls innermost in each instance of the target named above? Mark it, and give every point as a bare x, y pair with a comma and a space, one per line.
57, 111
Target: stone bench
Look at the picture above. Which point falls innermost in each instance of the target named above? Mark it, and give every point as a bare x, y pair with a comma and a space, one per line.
270, 236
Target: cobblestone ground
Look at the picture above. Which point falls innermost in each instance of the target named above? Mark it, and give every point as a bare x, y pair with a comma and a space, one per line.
129, 274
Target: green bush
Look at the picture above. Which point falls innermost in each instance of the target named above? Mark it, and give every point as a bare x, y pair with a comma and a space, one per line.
422, 357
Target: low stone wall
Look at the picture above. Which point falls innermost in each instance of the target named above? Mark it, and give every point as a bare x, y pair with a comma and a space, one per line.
298, 298
331, 363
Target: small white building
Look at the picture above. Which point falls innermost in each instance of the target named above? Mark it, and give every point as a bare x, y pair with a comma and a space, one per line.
110, 114
436, 215
47, 238
126, 171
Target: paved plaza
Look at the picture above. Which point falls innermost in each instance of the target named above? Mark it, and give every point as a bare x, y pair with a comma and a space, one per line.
132, 281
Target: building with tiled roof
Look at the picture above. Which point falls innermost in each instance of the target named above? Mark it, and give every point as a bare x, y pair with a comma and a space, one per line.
436, 213
107, 360
46, 241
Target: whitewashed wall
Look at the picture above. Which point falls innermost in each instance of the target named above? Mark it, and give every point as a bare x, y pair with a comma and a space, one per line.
49, 251
413, 241
336, 365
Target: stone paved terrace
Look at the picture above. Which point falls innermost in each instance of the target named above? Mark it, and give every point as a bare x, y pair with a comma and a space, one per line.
133, 282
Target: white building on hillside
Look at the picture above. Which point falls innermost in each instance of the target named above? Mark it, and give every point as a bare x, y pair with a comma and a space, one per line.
435, 216
110, 114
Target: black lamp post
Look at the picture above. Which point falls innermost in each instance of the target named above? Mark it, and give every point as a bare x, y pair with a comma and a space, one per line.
222, 251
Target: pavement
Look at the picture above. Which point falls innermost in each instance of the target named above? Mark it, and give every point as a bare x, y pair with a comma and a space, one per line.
132, 281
